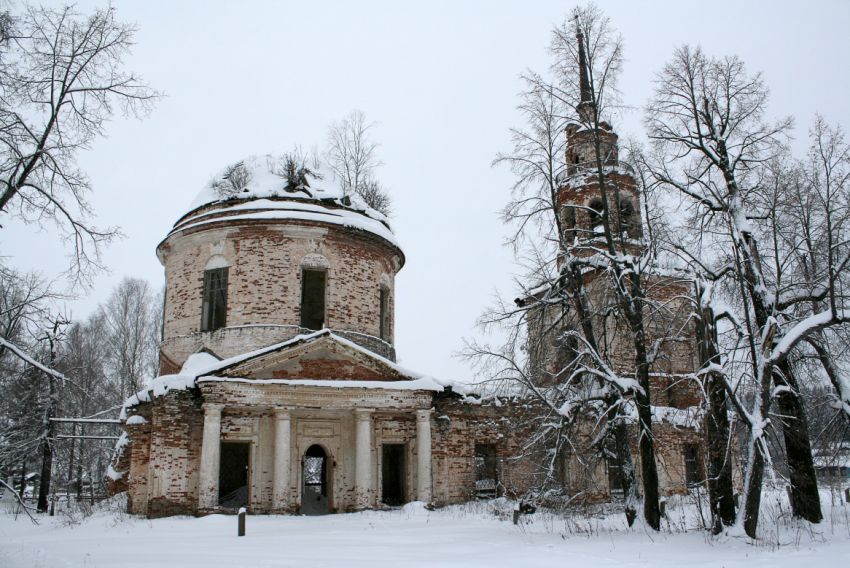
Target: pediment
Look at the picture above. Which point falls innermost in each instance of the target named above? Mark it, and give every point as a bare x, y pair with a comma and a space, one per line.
322, 357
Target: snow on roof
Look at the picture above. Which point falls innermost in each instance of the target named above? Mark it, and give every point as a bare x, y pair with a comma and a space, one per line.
307, 338
262, 194
425, 383
262, 181
198, 362
202, 366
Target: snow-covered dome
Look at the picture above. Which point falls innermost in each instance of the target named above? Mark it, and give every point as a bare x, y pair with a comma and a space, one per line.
271, 188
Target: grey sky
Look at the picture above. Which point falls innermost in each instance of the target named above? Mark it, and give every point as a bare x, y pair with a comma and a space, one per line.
441, 80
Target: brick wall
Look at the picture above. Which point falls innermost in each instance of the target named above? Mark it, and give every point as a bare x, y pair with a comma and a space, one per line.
165, 455
264, 284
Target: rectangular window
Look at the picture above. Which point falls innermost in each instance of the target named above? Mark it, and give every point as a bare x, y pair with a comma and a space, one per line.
313, 299
486, 471
385, 314
214, 311
693, 467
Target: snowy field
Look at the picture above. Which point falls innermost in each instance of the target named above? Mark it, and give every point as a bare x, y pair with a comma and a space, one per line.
479, 534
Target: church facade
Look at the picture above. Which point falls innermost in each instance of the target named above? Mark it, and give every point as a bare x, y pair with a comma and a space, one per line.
279, 389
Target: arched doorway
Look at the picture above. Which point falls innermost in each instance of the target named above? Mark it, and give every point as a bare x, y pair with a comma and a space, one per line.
315, 474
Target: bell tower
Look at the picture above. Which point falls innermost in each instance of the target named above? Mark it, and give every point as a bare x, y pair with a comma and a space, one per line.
580, 196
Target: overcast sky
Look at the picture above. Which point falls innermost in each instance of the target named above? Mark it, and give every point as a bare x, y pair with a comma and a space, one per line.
440, 79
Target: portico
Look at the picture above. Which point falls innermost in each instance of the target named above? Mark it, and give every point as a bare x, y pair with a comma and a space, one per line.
282, 419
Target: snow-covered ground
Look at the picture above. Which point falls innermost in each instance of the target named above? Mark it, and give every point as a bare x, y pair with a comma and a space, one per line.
479, 534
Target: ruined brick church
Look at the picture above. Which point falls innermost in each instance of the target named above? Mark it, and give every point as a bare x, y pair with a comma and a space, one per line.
279, 390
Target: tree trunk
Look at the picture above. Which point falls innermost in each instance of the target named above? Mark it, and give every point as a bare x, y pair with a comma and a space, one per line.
46, 469
648, 469
71, 460
805, 499
757, 452
23, 478
627, 470
752, 499
719, 459
632, 304
47, 450
720, 493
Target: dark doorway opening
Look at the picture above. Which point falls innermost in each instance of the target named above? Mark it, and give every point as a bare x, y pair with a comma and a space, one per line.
392, 474
314, 498
233, 475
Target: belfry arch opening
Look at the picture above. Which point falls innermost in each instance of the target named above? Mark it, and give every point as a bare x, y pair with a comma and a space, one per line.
315, 486
595, 216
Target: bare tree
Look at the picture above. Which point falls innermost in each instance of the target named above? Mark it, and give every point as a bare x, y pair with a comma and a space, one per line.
28, 379
594, 62
714, 146
61, 77
352, 157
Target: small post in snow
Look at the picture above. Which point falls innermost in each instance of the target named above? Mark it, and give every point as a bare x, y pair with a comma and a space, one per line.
847, 495
241, 515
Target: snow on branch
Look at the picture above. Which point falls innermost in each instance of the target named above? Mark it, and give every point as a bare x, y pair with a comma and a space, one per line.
23, 355
806, 327
24, 507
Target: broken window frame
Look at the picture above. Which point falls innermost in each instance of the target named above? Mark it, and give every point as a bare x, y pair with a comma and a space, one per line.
214, 299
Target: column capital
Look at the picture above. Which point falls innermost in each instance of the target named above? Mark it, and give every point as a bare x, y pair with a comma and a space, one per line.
363, 414
212, 408
282, 412
424, 414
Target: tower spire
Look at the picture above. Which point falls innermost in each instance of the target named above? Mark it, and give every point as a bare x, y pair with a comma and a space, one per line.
585, 107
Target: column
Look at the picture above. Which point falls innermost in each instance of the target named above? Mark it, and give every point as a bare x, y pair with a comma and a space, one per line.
363, 460
210, 457
423, 455
282, 448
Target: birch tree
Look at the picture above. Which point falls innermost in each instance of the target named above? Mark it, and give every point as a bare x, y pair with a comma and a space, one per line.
352, 155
